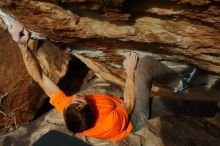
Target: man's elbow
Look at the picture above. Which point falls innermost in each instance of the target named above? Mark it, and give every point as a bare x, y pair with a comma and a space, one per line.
129, 108
38, 78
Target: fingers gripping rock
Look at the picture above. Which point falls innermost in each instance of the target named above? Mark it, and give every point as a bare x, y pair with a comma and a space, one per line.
19, 34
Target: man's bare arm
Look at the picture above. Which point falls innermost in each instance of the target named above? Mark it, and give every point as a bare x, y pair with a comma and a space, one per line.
129, 92
21, 36
35, 71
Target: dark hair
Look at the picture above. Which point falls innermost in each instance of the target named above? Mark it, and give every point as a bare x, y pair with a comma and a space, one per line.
78, 120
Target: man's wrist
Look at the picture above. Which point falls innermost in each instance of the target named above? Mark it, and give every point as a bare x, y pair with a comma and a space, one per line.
130, 74
22, 46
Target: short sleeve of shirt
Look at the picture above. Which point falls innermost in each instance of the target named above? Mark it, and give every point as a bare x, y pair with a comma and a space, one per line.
60, 101
120, 118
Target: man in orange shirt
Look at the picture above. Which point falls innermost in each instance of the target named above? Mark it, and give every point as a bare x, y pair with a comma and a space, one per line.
103, 116
99, 116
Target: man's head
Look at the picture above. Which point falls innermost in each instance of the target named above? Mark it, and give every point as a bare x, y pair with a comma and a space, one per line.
79, 115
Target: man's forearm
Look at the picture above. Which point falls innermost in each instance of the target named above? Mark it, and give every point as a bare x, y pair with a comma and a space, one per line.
31, 63
129, 92
22, 36
35, 71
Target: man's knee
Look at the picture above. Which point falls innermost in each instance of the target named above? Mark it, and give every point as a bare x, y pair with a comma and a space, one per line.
147, 59
145, 62
145, 67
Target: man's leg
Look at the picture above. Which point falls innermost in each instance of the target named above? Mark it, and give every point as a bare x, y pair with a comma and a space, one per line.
149, 69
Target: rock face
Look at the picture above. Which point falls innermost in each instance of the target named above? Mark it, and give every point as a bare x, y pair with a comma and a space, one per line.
20, 96
177, 30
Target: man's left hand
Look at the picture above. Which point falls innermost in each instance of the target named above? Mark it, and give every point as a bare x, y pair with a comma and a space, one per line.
19, 34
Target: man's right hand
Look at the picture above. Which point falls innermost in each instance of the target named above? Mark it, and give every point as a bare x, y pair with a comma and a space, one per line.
19, 34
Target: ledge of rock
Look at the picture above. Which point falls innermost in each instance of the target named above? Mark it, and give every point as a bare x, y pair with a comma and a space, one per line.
179, 31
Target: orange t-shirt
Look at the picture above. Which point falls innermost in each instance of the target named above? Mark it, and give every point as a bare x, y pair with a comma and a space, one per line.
112, 121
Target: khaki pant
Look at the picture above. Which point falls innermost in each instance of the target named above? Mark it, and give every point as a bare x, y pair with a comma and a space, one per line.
148, 70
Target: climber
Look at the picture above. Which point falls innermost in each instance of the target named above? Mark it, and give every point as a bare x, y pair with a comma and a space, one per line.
104, 116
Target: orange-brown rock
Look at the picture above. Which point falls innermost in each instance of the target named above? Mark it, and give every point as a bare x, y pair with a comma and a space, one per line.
183, 30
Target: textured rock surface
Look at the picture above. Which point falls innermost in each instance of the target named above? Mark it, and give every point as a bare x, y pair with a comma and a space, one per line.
20, 96
15, 83
180, 30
